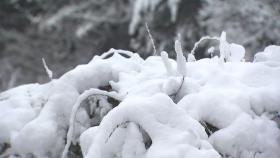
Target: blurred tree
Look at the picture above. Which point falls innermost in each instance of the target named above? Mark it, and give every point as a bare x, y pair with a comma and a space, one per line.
252, 23
70, 32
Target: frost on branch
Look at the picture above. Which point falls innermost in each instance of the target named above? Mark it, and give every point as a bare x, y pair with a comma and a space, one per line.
48, 71
181, 60
228, 51
167, 64
122, 106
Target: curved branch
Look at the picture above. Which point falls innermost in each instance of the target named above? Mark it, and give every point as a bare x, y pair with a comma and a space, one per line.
75, 109
202, 39
146, 137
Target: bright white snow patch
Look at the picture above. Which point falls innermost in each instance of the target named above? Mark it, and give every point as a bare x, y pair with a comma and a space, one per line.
202, 109
270, 53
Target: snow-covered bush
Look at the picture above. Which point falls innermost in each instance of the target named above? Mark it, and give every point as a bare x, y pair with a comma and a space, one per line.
122, 106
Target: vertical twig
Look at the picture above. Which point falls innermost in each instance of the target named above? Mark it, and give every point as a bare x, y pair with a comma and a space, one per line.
151, 38
181, 60
48, 71
13, 79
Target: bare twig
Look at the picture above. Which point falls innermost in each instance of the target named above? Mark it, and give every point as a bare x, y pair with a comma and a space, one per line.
48, 71
119, 125
179, 89
13, 79
151, 38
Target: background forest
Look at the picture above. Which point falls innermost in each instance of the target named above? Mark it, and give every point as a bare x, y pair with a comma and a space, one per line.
70, 32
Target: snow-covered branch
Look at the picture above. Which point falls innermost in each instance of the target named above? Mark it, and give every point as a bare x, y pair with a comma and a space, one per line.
201, 109
75, 108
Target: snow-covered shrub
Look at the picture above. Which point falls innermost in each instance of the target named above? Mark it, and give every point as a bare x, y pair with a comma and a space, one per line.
270, 53
122, 106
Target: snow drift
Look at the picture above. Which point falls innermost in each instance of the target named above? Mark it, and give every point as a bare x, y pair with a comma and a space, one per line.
122, 106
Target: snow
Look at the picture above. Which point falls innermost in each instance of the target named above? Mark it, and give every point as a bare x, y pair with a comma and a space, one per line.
224, 47
246, 137
82, 97
179, 130
49, 126
270, 53
237, 52
181, 60
211, 50
48, 71
169, 69
120, 105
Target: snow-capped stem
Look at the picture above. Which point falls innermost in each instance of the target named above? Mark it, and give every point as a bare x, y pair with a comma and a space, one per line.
191, 57
224, 47
169, 69
211, 51
48, 71
109, 52
181, 60
202, 39
151, 38
75, 109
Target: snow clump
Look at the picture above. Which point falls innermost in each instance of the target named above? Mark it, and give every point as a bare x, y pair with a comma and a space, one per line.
122, 106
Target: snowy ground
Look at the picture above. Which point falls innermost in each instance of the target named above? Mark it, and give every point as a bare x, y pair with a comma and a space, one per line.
121, 106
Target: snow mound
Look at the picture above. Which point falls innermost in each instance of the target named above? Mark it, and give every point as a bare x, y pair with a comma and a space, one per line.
123, 131
122, 106
270, 53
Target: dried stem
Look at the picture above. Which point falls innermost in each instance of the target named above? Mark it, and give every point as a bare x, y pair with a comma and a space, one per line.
151, 38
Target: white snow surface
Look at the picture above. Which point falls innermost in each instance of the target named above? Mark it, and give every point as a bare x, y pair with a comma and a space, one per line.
202, 109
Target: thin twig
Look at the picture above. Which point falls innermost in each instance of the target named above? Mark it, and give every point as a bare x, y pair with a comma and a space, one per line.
151, 38
175, 94
119, 125
179, 89
48, 71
